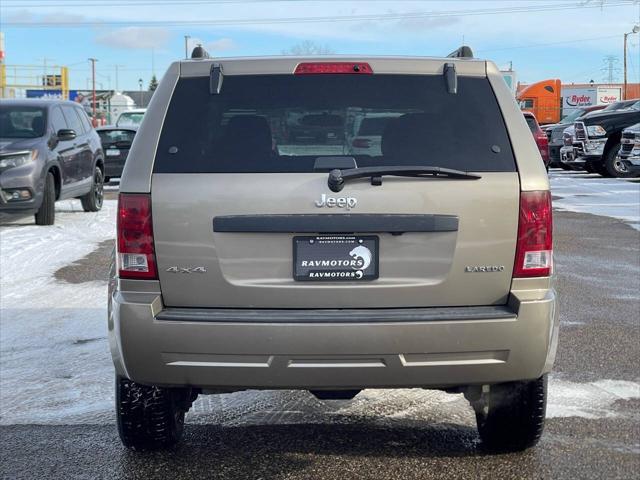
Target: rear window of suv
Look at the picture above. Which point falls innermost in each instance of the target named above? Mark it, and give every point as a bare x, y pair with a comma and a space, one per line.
283, 123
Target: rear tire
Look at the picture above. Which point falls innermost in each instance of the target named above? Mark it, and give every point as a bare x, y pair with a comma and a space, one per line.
588, 167
510, 416
600, 169
148, 417
92, 201
46, 214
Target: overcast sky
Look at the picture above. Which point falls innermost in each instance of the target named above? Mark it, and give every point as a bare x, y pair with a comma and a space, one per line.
544, 39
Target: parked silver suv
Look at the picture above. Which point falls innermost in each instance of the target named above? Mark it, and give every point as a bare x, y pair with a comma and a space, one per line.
248, 258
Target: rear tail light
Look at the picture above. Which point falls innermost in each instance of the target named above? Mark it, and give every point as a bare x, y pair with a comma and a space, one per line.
534, 249
543, 146
333, 67
136, 254
361, 142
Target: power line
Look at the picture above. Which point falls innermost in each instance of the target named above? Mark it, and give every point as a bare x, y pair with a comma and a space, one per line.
323, 19
86, 3
548, 44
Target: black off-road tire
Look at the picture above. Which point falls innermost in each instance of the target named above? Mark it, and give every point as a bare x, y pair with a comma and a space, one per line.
510, 416
46, 214
600, 169
92, 201
614, 167
148, 417
588, 167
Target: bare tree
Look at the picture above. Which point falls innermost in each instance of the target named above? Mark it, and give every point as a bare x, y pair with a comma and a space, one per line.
308, 47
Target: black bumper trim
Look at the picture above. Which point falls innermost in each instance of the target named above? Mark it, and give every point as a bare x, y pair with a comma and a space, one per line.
373, 315
330, 223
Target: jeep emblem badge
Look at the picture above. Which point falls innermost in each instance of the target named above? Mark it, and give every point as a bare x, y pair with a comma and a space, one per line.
340, 202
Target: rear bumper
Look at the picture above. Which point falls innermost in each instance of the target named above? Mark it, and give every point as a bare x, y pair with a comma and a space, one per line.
113, 168
332, 349
554, 154
633, 167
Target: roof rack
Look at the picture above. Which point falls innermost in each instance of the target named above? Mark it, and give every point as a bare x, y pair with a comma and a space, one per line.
463, 52
199, 52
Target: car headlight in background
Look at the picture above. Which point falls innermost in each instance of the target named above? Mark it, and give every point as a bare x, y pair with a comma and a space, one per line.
17, 159
596, 131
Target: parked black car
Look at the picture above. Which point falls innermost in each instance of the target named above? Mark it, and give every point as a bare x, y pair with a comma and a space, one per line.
597, 140
48, 151
116, 143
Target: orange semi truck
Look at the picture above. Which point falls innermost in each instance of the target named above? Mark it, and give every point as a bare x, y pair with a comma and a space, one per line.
550, 101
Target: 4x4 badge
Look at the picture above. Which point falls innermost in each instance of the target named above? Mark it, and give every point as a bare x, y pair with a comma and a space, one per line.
186, 270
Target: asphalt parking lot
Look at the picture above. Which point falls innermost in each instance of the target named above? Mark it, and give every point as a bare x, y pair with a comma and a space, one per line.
56, 418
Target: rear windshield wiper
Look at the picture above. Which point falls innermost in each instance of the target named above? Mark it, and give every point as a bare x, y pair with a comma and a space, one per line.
337, 177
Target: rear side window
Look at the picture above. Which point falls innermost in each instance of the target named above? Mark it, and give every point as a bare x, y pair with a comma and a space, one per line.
84, 119
533, 125
374, 126
57, 120
283, 123
72, 119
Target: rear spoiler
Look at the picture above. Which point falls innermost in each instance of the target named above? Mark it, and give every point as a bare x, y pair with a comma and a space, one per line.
463, 52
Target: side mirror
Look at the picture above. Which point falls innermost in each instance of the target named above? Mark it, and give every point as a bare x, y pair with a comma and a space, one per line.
66, 134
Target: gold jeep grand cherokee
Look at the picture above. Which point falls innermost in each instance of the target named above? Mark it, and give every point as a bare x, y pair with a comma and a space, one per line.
251, 258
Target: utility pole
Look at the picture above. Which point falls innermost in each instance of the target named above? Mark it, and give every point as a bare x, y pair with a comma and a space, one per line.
635, 29
186, 45
116, 67
93, 88
140, 85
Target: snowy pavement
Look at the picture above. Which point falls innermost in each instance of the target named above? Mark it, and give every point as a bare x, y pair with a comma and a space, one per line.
55, 360
53, 351
590, 193
55, 367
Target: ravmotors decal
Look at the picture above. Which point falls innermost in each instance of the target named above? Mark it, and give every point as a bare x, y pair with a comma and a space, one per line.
335, 257
362, 255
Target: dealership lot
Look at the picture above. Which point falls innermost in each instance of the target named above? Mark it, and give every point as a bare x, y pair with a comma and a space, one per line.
56, 390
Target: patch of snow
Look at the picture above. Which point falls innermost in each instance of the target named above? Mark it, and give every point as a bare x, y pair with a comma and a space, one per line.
30, 254
608, 197
56, 365
588, 400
